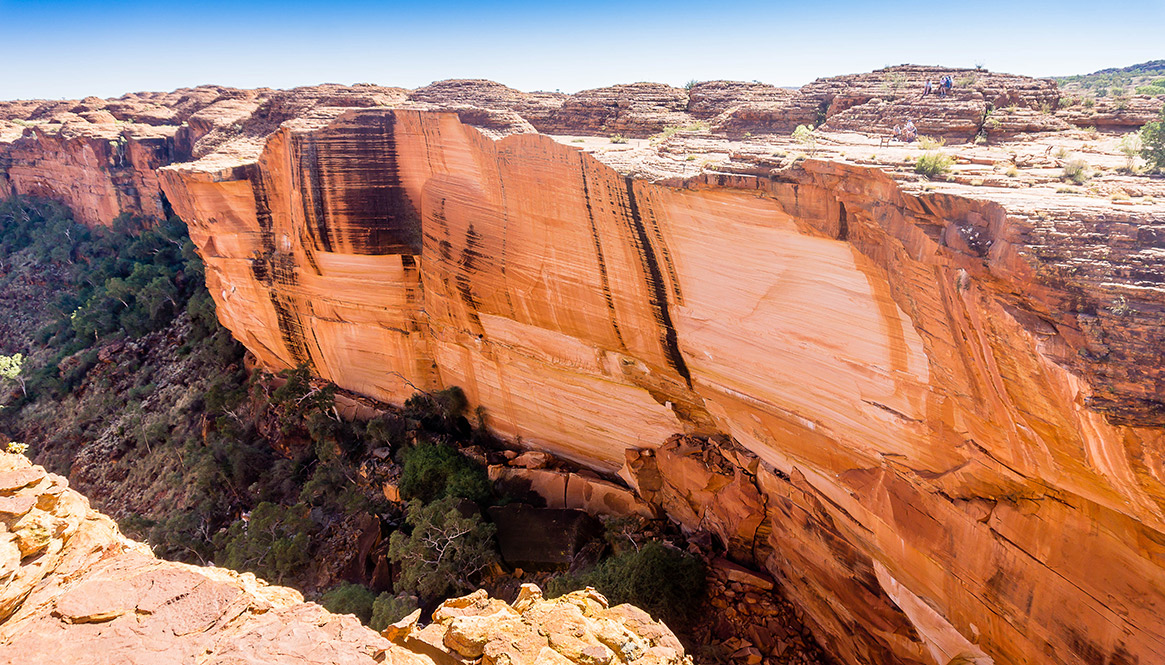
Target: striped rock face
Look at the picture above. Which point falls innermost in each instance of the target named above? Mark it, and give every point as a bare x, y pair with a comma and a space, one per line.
935, 417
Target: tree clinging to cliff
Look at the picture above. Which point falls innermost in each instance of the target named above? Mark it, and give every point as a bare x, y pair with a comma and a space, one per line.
10, 367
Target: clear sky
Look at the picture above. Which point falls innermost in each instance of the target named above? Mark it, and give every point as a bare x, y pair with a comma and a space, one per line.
55, 48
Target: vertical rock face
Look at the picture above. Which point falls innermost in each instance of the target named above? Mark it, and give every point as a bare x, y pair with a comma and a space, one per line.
100, 171
922, 412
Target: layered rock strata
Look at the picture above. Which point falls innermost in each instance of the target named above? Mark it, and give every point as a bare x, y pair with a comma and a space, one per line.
74, 590
928, 409
98, 155
935, 412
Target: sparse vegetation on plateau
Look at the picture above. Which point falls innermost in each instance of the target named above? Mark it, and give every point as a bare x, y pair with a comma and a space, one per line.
805, 135
1075, 170
933, 164
928, 143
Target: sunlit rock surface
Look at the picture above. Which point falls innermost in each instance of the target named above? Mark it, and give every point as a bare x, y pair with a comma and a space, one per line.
933, 410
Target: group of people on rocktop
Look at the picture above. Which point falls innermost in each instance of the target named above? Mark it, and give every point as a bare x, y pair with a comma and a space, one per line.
944, 86
908, 132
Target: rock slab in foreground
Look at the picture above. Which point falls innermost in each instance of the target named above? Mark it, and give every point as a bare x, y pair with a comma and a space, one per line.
74, 590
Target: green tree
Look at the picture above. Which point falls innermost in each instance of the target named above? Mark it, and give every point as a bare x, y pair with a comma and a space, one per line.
354, 599
388, 609
273, 543
1130, 146
435, 470
10, 368
1153, 143
445, 551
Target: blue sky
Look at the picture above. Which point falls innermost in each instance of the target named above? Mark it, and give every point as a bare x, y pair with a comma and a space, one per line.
55, 49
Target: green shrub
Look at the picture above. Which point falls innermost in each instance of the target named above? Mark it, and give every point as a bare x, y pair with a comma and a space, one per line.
273, 544
388, 609
444, 552
933, 164
618, 138
667, 583
1150, 90
1130, 146
805, 135
1153, 143
435, 471
354, 599
1075, 170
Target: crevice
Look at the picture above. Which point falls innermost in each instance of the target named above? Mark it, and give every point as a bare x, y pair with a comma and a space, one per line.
656, 289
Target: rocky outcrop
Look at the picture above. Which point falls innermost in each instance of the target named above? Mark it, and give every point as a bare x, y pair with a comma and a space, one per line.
1114, 114
580, 627
908, 388
75, 590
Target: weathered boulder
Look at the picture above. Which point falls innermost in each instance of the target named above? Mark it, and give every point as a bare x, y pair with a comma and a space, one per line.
579, 628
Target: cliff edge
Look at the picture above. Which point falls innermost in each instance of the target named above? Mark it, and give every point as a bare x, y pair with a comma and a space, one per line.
75, 590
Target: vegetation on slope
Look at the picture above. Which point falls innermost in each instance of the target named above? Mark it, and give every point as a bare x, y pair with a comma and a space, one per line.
1146, 78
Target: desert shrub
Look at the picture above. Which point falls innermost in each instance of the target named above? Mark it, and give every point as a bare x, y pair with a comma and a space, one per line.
933, 164
1075, 170
1153, 143
1153, 90
927, 143
435, 471
618, 138
805, 135
354, 599
666, 582
273, 544
444, 551
388, 609
1130, 146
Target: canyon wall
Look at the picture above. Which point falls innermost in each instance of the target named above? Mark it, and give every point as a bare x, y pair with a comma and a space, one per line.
936, 418
933, 411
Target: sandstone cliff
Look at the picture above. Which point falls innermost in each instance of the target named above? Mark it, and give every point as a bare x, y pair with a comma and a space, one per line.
76, 591
934, 411
932, 448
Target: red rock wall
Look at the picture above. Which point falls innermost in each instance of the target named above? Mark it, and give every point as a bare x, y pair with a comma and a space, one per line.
99, 171
925, 451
